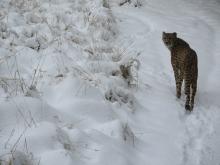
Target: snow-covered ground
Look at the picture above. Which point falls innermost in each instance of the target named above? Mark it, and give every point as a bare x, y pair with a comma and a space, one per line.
64, 101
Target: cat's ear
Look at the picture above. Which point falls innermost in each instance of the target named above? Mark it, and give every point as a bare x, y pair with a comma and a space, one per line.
163, 34
175, 34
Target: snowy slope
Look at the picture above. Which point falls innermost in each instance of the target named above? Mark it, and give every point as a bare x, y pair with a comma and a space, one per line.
60, 102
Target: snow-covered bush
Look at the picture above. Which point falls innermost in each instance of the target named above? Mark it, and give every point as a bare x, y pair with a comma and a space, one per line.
86, 77
120, 95
76, 36
76, 43
135, 3
32, 92
106, 3
3, 30
24, 5
127, 134
102, 24
129, 71
32, 18
19, 158
2, 13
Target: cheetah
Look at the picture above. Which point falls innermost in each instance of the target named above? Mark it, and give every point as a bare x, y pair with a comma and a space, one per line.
185, 66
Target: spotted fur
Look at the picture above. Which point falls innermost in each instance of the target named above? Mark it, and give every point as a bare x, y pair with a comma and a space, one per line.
185, 66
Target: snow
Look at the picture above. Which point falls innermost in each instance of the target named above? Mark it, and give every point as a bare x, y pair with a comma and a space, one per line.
63, 99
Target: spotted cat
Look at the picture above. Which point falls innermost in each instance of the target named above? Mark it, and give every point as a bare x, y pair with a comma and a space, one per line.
185, 66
